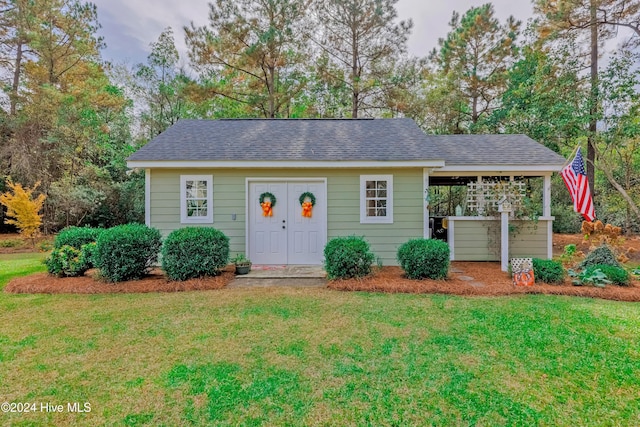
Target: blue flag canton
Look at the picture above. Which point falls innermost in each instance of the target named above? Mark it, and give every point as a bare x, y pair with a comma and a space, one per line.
578, 165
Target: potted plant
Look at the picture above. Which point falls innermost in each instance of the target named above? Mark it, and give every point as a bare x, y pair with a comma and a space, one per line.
243, 265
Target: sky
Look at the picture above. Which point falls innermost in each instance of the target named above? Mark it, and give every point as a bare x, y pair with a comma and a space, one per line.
129, 26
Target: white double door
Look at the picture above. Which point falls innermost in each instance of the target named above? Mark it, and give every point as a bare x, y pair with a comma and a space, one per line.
287, 237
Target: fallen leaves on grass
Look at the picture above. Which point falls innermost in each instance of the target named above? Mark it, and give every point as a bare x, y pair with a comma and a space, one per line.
42, 283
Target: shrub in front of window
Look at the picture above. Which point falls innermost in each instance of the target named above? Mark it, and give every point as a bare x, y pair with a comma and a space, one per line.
194, 252
127, 252
616, 275
77, 237
424, 259
67, 261
548, 271
602, 255
347, 257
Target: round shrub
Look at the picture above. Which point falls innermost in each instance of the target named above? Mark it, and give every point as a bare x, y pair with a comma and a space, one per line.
347, 257
76, 236
617, 275
127, 252
194, 252
424, 258
88, 253
602, 255
548, 271
67, 261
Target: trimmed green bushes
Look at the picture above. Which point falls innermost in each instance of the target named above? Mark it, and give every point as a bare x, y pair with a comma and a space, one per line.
63, 261
424, 259
347, 257
194, 252
616, 275
127, 252
67, 261
77, 236
548, 271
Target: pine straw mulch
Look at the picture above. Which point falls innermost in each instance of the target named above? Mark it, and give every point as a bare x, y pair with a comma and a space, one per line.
43, 283
495, 283
488, 280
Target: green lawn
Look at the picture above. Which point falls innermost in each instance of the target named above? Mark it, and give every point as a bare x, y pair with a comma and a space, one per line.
320, 357
12, 265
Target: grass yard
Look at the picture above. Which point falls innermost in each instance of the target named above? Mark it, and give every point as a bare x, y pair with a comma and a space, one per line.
13, 265
319, 357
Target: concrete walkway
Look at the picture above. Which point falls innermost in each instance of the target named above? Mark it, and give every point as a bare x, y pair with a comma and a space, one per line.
308, 276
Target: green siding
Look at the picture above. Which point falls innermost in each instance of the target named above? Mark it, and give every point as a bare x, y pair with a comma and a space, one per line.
479, 240
530, 240
343, 204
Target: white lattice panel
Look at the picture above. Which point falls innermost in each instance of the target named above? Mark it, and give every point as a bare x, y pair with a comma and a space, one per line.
484, 196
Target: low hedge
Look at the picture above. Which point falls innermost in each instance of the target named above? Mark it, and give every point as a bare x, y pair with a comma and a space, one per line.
347, 257
617, 275
127, 252
78, 237
194, 252
424, 259
67, 261
548, 271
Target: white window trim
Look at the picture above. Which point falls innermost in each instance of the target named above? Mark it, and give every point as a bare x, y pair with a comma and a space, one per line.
364, 219
184, 219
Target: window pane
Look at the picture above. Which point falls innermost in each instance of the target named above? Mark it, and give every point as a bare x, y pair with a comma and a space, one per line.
382, 193
371, 184
201, 193
381, 204
382, 184
190, 189
371, 203
382, 212
371, 212
371, 193
196, 208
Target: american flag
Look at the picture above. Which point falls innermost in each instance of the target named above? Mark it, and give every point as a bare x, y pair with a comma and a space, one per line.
576, 181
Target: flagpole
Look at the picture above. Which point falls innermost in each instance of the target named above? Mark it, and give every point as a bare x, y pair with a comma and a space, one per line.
571, 157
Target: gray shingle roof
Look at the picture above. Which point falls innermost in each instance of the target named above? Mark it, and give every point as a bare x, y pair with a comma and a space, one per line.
334, 140
494, 150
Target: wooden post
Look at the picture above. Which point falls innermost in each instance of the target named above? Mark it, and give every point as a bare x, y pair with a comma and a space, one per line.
504, 207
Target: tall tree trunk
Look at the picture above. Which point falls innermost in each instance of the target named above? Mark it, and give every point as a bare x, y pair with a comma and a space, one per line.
16, 79
354, 76
593, 108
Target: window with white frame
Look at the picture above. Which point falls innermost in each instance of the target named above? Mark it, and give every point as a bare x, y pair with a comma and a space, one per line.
376, 199
196, 199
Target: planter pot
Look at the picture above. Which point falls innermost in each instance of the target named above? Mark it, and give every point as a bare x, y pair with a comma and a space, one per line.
243, 269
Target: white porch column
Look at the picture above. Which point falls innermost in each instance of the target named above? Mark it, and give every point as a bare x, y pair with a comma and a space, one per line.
505, 209
546, 196
504, 244
147, 197
425, 201
546, 212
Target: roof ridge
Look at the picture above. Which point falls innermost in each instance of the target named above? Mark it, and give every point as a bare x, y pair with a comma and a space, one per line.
297, 119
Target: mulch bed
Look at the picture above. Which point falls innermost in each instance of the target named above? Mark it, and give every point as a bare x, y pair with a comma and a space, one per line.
488, 280
495, 281
42, 283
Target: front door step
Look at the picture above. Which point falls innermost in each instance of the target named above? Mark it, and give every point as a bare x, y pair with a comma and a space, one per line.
290, 275
248, 282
